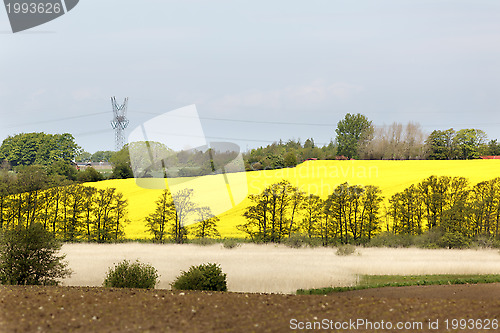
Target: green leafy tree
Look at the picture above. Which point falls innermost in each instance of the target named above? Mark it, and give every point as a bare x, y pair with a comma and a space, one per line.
440, 145
102, 156
312, 206
290, 159
29, 256
469, 142
353, 132
493, 148
64, 169
83, 157
38, 148
270, 217
89, 175
159, 221
122, 171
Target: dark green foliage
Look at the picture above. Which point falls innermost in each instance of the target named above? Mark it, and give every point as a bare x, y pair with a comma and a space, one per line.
352, 133
203, 277
131, 275
29, 256
38, 148
493, 148
102, 156
453, 240
122, 171
63, 168
297, 240
389, 239
463, 144
289, 154
89, 175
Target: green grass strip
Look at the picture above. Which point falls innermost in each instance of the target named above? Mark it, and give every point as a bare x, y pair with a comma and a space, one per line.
380, 281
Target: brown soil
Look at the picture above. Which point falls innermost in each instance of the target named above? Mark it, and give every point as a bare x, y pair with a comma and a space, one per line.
85, 309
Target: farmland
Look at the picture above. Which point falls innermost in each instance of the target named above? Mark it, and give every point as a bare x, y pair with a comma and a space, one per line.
275, 268
317, 177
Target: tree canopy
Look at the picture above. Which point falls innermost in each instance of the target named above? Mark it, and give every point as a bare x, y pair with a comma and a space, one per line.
38, 148
352, 132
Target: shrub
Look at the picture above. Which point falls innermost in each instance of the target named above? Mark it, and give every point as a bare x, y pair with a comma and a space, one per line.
484, 241
135, 275
203, 241
202, 277
453, 240
230, 243
389, 239
430, 239
345, 250
300, 240
89, 175
28, 256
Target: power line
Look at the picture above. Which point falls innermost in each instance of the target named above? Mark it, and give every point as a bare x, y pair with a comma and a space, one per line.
247, 120
56, 120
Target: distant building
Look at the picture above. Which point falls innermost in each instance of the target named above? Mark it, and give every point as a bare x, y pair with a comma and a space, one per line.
490, 157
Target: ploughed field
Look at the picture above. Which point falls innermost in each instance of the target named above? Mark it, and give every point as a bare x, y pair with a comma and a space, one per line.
80, 305
317, 177
90, 309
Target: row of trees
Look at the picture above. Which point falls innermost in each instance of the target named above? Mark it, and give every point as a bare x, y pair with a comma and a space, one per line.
357, 137
354, 214
349, 214
449, 204
38, 148
70, 211
172, 213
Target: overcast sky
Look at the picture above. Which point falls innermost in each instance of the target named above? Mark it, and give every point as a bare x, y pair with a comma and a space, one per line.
300, 66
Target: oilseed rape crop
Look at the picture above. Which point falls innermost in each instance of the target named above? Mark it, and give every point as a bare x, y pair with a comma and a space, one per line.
316, 177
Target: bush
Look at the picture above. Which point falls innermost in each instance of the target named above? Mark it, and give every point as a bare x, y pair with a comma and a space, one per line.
299, 240
345, 250
28, 256
230, 243
135, 275
203, 241
484, 241
430, 239
202, 277
453, 240
389, 239
89, 175
122, 171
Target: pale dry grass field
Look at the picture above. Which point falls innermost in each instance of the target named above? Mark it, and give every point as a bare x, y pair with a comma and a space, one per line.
275, 268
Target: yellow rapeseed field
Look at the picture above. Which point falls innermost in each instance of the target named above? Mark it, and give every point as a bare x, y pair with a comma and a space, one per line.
318, 177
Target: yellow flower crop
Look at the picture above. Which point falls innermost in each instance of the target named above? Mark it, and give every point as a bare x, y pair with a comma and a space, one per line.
317, 177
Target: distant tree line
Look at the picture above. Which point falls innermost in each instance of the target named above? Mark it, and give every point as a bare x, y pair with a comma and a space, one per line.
357, 138
447, 206
70, 211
